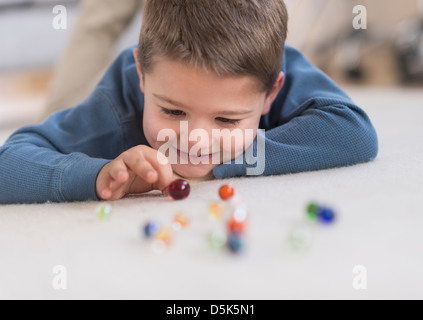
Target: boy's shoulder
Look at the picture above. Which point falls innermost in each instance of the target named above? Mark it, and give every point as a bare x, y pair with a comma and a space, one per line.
304, 81
120, 86
122, 68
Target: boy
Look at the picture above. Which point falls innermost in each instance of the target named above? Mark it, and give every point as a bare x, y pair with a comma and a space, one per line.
212, 65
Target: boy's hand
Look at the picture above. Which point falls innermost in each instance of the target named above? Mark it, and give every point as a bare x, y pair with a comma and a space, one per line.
137, 170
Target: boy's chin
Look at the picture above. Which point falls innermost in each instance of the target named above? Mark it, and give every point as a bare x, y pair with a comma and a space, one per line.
194, 172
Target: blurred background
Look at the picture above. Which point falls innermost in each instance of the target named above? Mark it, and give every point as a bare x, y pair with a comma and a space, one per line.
36, 58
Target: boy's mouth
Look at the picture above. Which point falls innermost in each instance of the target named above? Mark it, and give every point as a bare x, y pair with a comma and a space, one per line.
205, 159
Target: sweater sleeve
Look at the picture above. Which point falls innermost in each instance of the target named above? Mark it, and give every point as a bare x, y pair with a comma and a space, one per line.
312, 125
59, 159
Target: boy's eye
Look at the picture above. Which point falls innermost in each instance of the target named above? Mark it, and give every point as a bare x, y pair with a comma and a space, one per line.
171, 112
228, 121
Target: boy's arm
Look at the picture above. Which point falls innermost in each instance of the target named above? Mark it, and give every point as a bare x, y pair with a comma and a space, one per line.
326, 135
312, 125
59, 160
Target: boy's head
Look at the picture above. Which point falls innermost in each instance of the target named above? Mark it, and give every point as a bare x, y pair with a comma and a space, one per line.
213, 63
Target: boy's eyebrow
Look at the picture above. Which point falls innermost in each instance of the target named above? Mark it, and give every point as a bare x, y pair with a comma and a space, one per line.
166, 99
181, 105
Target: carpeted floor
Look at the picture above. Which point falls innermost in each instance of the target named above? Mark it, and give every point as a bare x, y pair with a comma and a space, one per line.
378, 227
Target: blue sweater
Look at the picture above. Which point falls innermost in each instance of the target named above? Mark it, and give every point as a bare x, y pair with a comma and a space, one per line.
312, 125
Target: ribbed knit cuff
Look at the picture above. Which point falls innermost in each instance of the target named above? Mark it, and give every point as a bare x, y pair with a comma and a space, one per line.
78, 180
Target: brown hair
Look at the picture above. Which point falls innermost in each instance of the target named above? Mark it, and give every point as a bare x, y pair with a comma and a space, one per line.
228, 37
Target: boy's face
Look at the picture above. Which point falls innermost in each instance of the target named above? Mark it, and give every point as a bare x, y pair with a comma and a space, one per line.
203, 101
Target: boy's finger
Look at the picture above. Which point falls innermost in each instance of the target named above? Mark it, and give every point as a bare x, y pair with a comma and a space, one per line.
119, 171
114, 185
162, 166
102, 189
141, 166
106, 194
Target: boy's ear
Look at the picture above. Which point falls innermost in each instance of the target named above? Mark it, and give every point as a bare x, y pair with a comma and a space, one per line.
139, 70
273, 93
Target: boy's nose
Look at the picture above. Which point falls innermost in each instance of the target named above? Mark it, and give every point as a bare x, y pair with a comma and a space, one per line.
198, 135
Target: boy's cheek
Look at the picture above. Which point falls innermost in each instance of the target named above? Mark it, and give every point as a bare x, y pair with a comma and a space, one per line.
236, 148
153, 129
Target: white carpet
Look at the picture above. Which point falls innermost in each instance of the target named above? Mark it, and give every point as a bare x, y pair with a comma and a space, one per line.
379, 225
